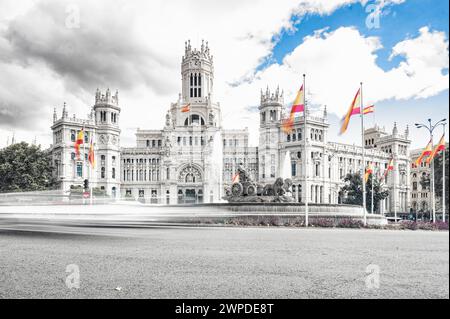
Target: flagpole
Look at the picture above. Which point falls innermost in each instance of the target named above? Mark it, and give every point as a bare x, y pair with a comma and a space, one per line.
84, 151
84, 158
371, 193
305, 150
363, 157
373, 171
443, 179
90, 169
395, 196
433, 203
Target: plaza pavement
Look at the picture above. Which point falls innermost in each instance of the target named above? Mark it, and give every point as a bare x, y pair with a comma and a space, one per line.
223, 262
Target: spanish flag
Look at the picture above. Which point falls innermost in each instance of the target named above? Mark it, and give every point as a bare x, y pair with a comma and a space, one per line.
369, 109
288, 125
440, 147
297, 107
369, 170
390, 167
353, 109
235, 178
78, 142
366, 110
91, 157
186, 108
427, 151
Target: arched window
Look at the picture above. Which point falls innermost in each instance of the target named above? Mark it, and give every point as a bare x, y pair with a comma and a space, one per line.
195, 119
195, 85
190, 178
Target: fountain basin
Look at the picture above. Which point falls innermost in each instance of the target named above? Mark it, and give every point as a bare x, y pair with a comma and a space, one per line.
287, 210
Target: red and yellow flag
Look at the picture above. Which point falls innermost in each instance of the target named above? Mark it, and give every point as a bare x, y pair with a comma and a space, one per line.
186, 108
426, 152
367, 110
91, 156
297, 107
440, 147
78, 142
353, 109
390, 167
288, 125
369, 170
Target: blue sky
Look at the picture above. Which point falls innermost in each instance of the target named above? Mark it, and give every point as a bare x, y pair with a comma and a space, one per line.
397, 23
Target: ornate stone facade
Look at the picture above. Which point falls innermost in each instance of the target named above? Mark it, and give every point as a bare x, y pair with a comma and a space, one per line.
193, 157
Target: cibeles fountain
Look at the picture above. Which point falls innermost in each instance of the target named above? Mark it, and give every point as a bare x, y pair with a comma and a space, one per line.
248, 191
276, 199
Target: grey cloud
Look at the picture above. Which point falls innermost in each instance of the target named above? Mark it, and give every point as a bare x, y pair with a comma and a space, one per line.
38, 51
101, 52
17, 114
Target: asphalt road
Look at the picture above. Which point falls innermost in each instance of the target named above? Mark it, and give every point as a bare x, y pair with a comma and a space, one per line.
224, 263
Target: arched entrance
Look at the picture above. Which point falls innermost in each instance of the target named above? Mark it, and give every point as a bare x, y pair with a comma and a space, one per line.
190, 186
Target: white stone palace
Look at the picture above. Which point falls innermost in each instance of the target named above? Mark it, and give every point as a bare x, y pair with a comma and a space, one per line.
193, 157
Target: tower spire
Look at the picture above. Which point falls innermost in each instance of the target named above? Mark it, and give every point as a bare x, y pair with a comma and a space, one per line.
55, 116
65, 114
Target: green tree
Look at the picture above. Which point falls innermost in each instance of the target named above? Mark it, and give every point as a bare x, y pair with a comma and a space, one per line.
25, 167
354, 195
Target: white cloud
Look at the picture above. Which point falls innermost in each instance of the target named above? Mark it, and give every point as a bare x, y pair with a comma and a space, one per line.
335, 62
136, 47
426, 57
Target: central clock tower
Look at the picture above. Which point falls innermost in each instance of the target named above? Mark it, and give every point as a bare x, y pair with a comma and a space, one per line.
197, 72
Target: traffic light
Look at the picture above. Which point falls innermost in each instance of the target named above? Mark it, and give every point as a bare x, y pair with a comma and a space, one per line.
86, 184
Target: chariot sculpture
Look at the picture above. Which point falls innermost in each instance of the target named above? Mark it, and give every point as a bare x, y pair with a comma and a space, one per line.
246, 190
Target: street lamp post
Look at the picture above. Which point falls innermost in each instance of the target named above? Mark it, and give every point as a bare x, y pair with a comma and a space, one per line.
430, 127
443, 180
443, 123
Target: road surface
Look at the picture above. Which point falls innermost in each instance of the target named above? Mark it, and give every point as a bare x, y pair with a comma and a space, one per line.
223, 262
